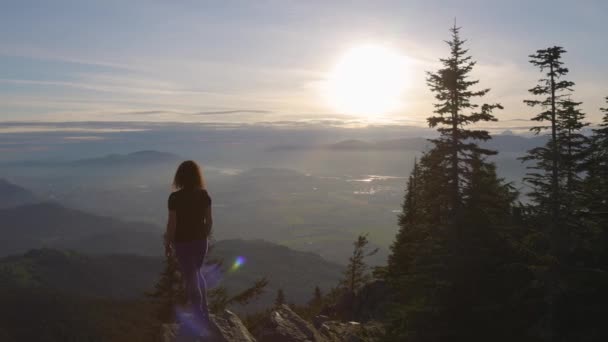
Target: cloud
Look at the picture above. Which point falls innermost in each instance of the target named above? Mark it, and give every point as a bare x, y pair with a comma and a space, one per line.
202, 113
150, 112
85, 138
234, 111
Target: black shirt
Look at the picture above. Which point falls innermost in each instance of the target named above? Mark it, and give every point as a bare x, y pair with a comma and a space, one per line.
189, 206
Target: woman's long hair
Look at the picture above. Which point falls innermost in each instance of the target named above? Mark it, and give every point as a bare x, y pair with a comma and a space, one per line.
188, 176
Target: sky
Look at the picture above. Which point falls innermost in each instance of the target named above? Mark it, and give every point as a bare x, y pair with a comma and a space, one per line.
267, 61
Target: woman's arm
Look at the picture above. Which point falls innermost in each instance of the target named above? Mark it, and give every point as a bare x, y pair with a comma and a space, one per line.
170, 233
208, 220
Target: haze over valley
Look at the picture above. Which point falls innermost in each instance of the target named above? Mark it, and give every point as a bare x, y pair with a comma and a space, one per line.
309, 187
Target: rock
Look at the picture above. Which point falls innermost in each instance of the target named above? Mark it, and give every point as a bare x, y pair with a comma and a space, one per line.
232, 329
335, 331
284, 325
227, 327
318, 321
281, 325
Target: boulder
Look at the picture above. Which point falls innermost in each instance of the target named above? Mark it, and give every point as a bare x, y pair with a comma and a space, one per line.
318, 321
226, 327
232, 329
281, 325
284, 325
336, 331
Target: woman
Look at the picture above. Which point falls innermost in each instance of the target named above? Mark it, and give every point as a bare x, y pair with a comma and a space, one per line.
188, 228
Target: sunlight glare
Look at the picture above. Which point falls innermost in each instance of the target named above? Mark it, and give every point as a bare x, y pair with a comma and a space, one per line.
368, 81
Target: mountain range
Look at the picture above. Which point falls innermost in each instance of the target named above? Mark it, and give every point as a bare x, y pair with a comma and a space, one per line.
134, 158
499, 142
12, 195
51, 225
128, 276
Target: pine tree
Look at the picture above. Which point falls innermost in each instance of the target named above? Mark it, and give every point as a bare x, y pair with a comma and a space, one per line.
454, 267
169, 290
454, 109
317, 298
411, 212
596, 182
545, 180
280, 299
573, 147
220, 299
595, 185
356, 274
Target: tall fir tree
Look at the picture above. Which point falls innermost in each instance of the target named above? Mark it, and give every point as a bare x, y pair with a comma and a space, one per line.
280, 299
596, 182
573, 148
317, 298
453, 266
169, 290
595, 186
357, 274
545, 179
452, 88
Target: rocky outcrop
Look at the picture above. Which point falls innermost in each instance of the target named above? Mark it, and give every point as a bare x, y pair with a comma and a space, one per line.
226, 327
232, 329
336, 331
280, 325
284, 325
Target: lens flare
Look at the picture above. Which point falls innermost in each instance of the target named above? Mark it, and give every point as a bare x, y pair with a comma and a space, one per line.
238, 262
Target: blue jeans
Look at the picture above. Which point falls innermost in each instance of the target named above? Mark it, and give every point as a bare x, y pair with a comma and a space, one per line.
190, 257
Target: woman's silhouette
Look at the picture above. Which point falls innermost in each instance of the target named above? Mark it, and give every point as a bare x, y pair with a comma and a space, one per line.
188, 228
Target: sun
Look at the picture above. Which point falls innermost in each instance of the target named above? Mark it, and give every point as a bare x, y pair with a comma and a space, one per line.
368, 81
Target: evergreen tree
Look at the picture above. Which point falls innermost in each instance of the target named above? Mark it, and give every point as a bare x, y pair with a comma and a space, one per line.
454, 109
280, 300
573, 147
317, 298
545, 179
411, 213
356, 274
595, 187
455, 266
169, 290
452, 280
220, 299
596, 183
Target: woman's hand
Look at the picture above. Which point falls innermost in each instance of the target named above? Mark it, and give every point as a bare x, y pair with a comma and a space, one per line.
170, 233
168, 250
168, 246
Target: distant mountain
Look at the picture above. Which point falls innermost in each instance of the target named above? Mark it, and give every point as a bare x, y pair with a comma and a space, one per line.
501, 142
410, 144
296, 272
129, 276
514, 143
135, 157
52, 225
12, 195
139, 157
111, 276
